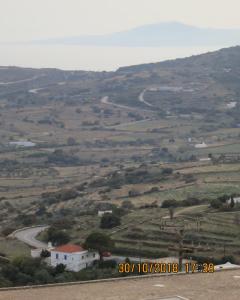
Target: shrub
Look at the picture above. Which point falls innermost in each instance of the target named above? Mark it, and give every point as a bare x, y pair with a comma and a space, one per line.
191, 202
63, 223
108, 264
7, 230
133, 193
216, 203
60, 268
167, 171
127, 204
223, 198
169, 203
42, 276
109, 221
99, 241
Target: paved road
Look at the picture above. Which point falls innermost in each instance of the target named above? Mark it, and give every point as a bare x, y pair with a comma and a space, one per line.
105, 100
28, 236
35, 91
141, 98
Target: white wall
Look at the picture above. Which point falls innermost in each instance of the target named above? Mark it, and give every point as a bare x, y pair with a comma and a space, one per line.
36, 253
74, 261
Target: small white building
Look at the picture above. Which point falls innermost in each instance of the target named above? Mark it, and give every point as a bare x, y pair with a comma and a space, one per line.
74, 257
202, 145
103, 212
235, 199
205, 159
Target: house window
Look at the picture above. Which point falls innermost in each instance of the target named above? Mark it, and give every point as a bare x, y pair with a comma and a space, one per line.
94, 254
65, 257
82, 257
57, 256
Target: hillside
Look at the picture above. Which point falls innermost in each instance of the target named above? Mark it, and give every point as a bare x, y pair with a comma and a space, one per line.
138, 141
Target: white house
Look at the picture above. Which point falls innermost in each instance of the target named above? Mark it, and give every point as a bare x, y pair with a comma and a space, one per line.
74, 257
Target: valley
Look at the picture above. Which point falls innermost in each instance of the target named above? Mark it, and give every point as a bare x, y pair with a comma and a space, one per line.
73, 143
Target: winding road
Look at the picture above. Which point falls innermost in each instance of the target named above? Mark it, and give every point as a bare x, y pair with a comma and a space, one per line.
28, 236
141, 98
105, 100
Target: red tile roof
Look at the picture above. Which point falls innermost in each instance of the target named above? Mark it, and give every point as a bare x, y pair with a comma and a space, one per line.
69, 248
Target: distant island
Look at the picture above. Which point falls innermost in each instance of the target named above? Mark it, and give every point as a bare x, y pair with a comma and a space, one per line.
156, 35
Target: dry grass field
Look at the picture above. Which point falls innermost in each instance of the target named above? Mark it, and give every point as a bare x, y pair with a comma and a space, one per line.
196, 286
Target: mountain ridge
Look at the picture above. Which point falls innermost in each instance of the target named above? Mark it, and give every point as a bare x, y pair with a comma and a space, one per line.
156, 35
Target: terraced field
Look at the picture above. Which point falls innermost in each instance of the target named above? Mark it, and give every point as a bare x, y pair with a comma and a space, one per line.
207, 232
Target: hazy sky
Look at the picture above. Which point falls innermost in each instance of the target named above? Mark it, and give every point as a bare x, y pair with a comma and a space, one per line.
36, 19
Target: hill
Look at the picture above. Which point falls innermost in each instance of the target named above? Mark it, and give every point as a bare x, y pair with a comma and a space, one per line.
158, 35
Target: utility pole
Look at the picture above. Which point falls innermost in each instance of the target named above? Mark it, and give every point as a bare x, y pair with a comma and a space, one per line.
224, 250
140, 256
181, 249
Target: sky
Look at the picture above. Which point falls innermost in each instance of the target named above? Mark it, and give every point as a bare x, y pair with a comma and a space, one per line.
36, 19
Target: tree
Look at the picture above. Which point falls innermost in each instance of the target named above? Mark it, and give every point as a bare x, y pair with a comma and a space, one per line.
232, 203
169, 203
216, 203
27, 220
109, 221
223, 198
99, 241
45, 253
57, 237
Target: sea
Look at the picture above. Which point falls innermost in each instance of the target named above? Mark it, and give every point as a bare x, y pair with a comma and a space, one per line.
72, 57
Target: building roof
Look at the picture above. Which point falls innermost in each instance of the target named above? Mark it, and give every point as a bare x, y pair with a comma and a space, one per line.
69, 248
